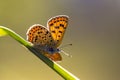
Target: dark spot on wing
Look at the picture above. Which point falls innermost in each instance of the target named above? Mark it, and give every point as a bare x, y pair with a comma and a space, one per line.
41, 28
38, 32
46, 32
53, 31
51, 24
36, 37
57, 27
43, 37
60, 31
62, 25
58, 35
54, 21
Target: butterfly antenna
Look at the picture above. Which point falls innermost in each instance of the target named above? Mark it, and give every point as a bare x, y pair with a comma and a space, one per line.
65, 53
65, 46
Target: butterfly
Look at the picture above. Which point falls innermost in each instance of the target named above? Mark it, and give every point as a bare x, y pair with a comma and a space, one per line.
47, 39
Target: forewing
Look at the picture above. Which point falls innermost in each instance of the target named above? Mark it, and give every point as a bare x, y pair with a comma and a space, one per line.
57, 26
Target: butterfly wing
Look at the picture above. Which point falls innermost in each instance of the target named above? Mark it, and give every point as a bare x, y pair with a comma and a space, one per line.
57, 26
39, 35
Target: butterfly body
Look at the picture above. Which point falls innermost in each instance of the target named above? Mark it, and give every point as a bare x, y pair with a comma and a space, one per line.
47, 39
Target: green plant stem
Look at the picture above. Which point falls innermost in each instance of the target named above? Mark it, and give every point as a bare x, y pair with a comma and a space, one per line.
56, 67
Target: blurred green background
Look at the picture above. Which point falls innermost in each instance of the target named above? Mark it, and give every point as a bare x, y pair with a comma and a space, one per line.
94, 31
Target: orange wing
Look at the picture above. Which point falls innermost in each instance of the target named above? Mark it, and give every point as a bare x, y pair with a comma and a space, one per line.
57, 26
39, 35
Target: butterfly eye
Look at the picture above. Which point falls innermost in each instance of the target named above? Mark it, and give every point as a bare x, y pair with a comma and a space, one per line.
58, 50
